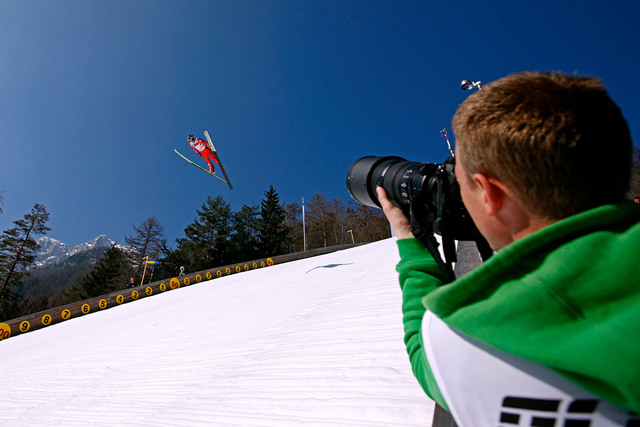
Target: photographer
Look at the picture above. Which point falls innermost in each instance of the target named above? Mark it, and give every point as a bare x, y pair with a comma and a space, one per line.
548, 327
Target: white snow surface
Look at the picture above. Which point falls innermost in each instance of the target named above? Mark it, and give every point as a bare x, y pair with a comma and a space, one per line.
315, 342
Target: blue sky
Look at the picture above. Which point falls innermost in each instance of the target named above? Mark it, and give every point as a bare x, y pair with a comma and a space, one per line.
96, 94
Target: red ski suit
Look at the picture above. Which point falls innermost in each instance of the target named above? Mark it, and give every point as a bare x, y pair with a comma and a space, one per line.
202, 148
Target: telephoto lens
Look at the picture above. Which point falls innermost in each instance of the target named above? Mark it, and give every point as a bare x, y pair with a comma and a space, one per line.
427, 192
397, 176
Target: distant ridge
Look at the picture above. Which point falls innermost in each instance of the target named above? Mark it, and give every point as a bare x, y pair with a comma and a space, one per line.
53, 251
58, 267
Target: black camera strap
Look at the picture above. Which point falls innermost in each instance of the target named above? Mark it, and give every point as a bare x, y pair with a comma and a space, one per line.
427, 238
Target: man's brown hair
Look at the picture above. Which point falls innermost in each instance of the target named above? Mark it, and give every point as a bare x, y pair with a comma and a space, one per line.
558, 141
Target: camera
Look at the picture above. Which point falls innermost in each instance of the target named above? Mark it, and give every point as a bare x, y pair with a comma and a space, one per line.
427, 193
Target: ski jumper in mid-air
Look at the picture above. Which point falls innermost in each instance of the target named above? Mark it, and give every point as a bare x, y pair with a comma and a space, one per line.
207, 151
202, 148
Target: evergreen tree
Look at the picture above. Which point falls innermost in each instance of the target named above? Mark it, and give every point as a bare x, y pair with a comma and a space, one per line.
171, 263
148, 241
244, 239
273, 233
109, 275
17, 253
206, 243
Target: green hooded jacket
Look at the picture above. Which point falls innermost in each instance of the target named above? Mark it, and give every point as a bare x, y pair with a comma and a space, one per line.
567, 297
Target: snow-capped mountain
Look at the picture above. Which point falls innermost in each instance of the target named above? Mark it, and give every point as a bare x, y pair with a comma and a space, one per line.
99, 242
53, 251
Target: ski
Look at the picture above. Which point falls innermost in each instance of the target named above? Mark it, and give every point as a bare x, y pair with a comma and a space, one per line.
215, 153
201, 168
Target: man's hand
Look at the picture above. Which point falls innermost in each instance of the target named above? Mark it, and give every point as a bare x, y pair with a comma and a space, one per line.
398, 220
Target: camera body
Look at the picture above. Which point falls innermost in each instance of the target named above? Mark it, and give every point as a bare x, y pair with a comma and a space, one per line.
428, 193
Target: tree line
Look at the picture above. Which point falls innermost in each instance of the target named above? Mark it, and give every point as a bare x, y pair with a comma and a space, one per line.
217, 236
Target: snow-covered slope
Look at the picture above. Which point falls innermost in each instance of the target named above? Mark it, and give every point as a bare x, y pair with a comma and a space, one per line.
312, 342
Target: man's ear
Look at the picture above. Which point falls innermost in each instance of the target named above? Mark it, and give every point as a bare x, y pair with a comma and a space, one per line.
492, 193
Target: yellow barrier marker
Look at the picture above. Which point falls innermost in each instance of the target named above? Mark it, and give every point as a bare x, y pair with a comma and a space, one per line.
5, 331
25, 326
46, 319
